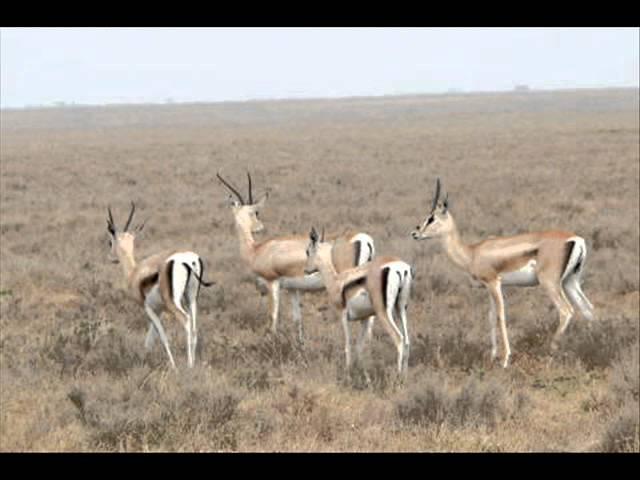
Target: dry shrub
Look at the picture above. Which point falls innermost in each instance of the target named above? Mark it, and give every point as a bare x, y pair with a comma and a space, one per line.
475, 403
625, 376
622, 434
454, 348
378, 376
92, 346
276, 350
253, 378
126, 420
598, 344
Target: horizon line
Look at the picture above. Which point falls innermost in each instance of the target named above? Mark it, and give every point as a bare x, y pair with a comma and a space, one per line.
522, 88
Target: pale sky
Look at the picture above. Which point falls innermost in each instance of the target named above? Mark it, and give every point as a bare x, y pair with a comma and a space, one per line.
108, 65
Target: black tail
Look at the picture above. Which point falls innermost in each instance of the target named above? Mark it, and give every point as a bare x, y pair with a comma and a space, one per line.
202, 282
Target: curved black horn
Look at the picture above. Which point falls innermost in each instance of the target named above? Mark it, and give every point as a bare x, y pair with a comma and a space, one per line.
235, 192
437, 195
111, 225
133, 209
250, 190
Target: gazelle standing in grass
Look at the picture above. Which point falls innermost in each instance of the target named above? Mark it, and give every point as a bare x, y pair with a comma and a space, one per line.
279, 262
380, 288
553, 259
165, 281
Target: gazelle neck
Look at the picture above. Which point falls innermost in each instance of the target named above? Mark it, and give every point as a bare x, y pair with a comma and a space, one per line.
247, 242
128, 262
456, 249
328, 271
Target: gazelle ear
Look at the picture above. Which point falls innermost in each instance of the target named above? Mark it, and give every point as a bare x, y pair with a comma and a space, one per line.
140, 227
313, 235
232, 201
445, 204
263, 199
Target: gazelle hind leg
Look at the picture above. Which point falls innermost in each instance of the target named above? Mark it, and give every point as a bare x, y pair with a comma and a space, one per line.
397, 336
577, 297
150, 338
401, 307
193, 288
161, 333
562, 304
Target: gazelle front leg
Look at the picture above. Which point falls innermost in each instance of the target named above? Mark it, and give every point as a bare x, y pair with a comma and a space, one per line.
495, 288
347, 338
493, 320
365, 336
297, 314
274, 289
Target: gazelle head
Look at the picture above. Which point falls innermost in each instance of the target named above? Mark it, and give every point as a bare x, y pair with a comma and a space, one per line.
313, 247
438, 221
121, 242
245, 213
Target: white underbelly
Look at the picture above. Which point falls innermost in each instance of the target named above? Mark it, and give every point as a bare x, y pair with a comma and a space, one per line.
359, 306
525, 277
308, 282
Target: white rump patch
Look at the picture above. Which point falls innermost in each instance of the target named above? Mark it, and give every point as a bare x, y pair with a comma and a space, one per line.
179, 276
579, 250
365, 242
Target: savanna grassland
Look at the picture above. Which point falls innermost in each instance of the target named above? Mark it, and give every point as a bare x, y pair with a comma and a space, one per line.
73, 371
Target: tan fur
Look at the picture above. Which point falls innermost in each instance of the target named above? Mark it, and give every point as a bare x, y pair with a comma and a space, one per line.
341, 289
490, 260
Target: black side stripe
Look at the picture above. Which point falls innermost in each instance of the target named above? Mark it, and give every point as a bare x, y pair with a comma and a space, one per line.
569, 246
579, 262
385, 279
357, 247
357, 281
185, 296
170, 273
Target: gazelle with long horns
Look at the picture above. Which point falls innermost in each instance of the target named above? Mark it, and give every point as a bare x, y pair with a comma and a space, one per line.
165, 281
279, 262
380, 288
554, 259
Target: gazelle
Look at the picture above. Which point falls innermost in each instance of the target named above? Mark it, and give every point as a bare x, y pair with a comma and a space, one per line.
163, 281
553, 259
279, 262
379, 288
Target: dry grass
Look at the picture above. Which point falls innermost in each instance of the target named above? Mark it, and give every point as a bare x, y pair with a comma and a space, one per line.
73, 373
